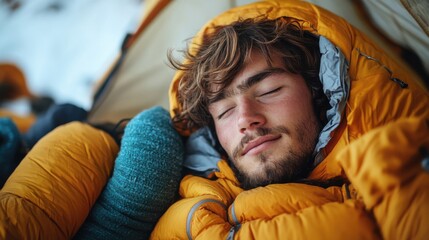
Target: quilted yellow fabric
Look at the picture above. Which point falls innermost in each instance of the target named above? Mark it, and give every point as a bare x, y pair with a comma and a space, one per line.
50, 193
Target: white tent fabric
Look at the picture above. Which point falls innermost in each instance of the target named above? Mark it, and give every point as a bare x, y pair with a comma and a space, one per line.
144, 77
400, 25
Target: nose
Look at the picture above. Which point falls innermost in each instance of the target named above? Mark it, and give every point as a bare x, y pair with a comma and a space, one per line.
250, 117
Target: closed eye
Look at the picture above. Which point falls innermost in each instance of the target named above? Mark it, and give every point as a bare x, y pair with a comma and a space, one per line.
271, 92
223, 113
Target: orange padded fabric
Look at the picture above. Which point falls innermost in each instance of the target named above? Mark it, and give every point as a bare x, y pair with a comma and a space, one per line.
385, 165
56, 184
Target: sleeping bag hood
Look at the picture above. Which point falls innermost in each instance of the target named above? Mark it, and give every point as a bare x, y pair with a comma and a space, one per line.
365, 86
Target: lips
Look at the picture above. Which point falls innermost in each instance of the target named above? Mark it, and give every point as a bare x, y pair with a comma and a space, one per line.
259, 141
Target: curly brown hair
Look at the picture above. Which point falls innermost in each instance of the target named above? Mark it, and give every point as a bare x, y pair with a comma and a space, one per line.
222, 54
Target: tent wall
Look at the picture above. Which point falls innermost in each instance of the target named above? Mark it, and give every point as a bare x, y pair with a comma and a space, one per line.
404, 21
144, 77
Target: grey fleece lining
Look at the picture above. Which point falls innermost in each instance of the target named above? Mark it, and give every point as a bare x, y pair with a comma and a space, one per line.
201, 155
336, 85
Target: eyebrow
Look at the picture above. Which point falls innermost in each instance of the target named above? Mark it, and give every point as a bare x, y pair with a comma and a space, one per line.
247, 84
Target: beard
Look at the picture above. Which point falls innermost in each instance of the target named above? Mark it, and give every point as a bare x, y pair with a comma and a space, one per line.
292, 164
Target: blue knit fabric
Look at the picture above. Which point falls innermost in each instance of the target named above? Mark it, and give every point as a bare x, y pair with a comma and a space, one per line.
144, 183
10, 144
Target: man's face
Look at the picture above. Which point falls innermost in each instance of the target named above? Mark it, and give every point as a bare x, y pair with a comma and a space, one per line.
266, 123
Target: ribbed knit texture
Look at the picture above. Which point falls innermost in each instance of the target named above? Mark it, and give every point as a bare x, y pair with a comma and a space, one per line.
144, 183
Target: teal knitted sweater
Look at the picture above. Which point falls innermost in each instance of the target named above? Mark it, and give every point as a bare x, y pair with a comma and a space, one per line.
144, 182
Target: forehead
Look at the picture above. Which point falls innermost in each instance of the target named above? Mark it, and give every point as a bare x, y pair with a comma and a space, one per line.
255, 64
256, 68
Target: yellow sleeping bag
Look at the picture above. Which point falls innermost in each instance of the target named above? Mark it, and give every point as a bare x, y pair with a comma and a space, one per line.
51, 192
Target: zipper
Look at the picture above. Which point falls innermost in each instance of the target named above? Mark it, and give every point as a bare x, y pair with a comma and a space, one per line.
398, 81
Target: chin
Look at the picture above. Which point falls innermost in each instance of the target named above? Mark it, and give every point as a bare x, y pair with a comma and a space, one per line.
259, 177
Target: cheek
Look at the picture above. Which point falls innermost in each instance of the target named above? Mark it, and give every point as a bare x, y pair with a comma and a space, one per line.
224, 134
298, 105
287, 109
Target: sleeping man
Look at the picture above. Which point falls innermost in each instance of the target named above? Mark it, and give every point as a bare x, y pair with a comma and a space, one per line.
299, 128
